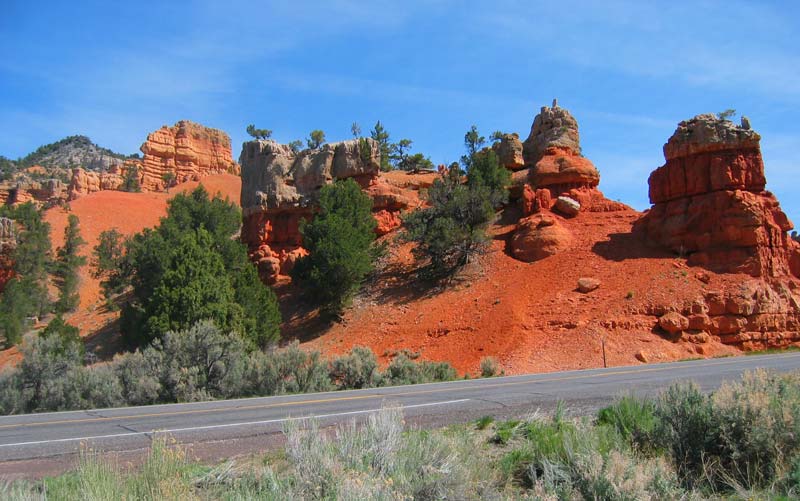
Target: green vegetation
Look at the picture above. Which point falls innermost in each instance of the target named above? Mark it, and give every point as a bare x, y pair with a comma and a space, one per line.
39, 157
744, 435
316, 138
25, 296
489, 367
496, 136
355, 129
108, 258
7, 168
379, 134
258, 133
130, 180
187, 269
296, 145
487, 177
169, 179
67, 264
341, 244
727, 114
199, 363
473, 141
453, 228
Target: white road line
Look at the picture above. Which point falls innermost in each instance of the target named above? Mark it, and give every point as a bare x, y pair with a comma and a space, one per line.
230, 425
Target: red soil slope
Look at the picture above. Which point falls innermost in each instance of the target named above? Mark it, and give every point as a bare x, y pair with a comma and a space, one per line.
129, 213
529, 316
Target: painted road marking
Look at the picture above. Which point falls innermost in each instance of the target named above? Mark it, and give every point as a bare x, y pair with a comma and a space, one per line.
478, 385
229, 425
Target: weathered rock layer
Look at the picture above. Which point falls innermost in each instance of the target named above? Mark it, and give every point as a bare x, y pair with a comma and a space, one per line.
280, 188
188, 151
185, 152
556, 176
711, 206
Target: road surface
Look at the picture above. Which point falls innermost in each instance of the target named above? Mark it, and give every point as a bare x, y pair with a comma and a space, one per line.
246, 421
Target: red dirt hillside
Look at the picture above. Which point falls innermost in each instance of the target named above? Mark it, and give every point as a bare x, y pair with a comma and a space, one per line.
524, 302
129, 213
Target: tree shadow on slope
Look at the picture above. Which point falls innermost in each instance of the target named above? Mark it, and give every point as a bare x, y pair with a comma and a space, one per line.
624, 246
105, 342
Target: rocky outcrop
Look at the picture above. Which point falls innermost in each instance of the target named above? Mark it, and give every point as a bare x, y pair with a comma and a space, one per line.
187, 150
509, 152
753, 315
553, 153
8, 243
48, 192
710, 202
539, 236
84, 182
280, 188
553, 162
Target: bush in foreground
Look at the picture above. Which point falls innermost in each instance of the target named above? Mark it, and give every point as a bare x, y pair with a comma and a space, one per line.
200, 363
539, 458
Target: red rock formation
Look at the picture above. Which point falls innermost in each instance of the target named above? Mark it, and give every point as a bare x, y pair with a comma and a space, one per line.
509, 152
280, 188
552, 155
84, 182
710, 204
538, 237
47, 192
187, 150
8, 243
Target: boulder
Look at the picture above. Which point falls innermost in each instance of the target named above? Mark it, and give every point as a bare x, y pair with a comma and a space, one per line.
509, 152
586, 284
673, 322
553, 127
567, 206
539, 236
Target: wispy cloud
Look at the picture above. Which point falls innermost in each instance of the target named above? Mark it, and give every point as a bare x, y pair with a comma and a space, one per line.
727, 44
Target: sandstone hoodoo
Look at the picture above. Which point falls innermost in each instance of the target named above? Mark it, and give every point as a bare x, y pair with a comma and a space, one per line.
509, 152
188, 151
710, 204
552, 165
280, 188
553, 153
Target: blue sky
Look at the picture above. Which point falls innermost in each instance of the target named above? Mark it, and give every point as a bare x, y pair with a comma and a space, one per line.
628, 71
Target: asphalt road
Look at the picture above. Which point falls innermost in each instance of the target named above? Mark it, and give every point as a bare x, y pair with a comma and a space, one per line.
40, 436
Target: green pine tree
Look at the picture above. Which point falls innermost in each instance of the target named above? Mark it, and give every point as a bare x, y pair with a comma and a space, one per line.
68, 262
340, 240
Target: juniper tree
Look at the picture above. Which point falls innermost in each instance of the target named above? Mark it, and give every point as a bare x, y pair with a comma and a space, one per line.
258, 133
380, 135
67, 264
340, 241
316, 138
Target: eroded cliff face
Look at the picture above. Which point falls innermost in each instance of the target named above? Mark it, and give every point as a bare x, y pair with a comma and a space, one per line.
84, 182
188, 150
48, 192
8, 243
280, 188
710, 204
